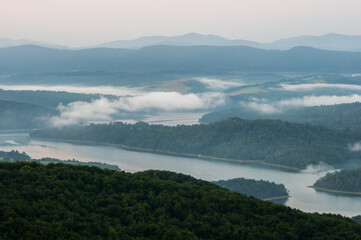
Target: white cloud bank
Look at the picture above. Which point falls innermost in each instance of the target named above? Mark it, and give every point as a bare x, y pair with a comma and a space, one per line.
216, 84
107, 90
104, 109
312, 86
262, 105
355, 147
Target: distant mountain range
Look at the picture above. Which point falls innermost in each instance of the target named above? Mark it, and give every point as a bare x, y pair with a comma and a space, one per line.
332, 41
171, 60
5, 42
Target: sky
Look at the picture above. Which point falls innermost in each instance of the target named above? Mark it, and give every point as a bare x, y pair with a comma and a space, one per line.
88, 22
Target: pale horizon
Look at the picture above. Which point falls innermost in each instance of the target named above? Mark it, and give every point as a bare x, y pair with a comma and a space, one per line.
91, 22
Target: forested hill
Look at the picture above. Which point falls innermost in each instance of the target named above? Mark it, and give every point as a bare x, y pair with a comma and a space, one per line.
256, 188
15, 156
338, 116
18, 115
272, 141
59, 201
175, 59
345, 180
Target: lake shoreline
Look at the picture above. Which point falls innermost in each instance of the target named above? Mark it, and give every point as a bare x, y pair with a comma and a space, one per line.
165, 152
335, 191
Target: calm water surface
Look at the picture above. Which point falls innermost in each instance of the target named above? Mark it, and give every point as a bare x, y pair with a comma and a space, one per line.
302, 197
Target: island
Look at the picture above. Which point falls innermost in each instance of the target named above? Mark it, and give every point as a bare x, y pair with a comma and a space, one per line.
260, 189
342, 182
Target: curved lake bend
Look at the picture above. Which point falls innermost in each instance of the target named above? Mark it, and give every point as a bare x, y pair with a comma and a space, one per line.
302, 197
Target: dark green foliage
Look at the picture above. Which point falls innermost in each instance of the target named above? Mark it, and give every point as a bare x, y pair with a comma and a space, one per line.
345, 180
17, 115
59, 201
273, 141
357, 219
258, 189
338, 116
15, 156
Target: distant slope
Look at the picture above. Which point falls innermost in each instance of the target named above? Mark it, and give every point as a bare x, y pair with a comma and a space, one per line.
339, 116
60, 201
16, 115
272, 141
48, 99
344, 181
190, 39
332, 41
171, 60
5, 42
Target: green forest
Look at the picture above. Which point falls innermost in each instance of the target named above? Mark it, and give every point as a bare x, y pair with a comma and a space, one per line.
14, 156
335, 116
357, 219
272, 141
62, 201
17, 115
256, 188
345, 180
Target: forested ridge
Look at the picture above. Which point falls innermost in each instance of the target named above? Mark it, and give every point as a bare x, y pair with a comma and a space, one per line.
15, 156
19, 115
59, 201
345, 180
336, 116
256, 188
272, 141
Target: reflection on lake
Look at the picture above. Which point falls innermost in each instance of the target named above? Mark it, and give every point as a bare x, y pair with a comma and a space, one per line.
302, 197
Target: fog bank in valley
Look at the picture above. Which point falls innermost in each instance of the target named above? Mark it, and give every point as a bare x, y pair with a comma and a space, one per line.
267, 107
104, 109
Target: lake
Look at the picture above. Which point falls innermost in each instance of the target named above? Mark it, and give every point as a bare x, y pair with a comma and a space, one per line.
302, 197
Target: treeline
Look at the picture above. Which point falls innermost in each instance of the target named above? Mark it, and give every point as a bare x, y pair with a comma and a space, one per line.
345, 180
59, 201
47, 99
15, 156
335, 116
256, 188
272, 141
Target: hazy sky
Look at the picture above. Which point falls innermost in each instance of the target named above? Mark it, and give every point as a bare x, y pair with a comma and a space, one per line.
87, 22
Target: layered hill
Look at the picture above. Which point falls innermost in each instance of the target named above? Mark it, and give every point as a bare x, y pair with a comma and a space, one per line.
166, 61
59, 201
338, 116
268, 141
18, 115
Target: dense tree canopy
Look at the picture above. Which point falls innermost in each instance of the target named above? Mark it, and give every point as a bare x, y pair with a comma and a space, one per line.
256, 188
272, 141
345, 180
59, 201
